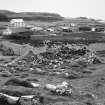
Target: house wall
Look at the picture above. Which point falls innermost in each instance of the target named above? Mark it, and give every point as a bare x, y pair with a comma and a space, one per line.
17, 23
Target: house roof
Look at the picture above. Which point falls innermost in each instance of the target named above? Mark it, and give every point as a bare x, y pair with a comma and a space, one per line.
16, 20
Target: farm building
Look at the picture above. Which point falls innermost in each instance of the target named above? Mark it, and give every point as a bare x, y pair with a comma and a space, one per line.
17, 23
7, 31
72, 24
66, 29
84, 28
98, 29
50, 29
36, 28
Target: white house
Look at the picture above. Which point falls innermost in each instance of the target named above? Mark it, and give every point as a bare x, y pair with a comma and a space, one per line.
17, 23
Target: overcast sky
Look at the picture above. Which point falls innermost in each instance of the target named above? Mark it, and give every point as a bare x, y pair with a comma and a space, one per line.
67, 8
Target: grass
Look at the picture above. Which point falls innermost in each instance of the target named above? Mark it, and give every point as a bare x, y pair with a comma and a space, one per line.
85, 37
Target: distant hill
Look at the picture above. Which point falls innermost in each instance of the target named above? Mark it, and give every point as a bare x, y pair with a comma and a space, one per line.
37, 16
82, 21
6, 12
6, 15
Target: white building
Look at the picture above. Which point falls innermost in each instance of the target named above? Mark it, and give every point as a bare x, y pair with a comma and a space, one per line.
66, 29
93, 29
36, 28
17, 23
72, 25
50, 29
7, 31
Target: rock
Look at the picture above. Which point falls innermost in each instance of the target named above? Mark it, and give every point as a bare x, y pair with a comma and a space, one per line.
18, 82
30, 100
8, 99
18, 91
64, 84
50, 87
28, 96
35, 84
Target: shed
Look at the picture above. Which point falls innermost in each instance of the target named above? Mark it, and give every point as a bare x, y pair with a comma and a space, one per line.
84, 28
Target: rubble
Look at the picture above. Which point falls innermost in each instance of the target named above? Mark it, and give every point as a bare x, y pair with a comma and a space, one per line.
28, 101
8, 100
62, 56
60, 89
64, 89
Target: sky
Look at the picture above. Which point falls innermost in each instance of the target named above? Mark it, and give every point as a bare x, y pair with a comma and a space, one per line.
67, 8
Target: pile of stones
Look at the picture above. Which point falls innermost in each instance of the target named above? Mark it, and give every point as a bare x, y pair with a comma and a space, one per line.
63, 56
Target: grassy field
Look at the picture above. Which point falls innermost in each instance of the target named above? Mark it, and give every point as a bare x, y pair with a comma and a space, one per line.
79, 37
83, 88
87, 82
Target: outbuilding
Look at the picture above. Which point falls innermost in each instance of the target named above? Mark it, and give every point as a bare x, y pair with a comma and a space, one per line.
98, 29
36, 28
84, 28
93, 29
7, 31
66, 29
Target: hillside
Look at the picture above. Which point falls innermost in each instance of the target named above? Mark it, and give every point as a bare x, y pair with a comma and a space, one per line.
6, 15
38, 16
6, 12
82, 22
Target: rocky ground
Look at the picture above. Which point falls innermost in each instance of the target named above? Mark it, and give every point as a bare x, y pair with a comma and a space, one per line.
58, 74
